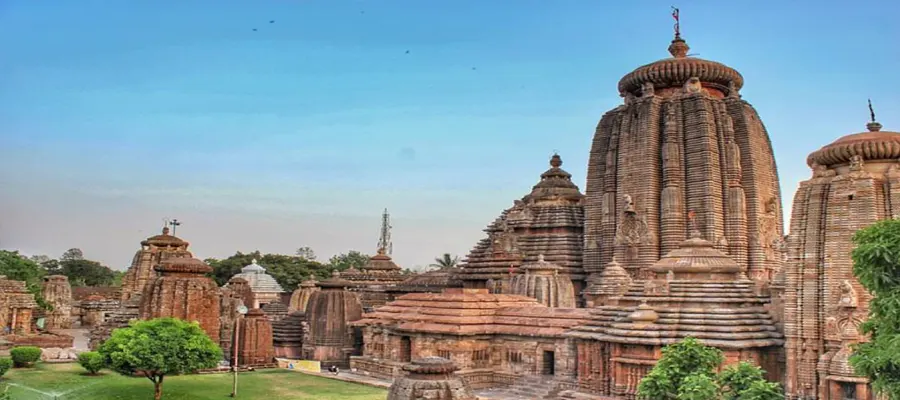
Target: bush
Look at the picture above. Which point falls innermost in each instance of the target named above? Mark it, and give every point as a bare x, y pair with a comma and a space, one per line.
92, 361
25, 356
5, 364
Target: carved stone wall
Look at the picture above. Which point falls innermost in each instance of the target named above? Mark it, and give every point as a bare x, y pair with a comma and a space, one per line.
683, 141
153, 250
183, 291
58, 293
255, 344
855, 183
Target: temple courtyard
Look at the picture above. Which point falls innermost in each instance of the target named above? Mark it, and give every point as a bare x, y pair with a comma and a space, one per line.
68, 381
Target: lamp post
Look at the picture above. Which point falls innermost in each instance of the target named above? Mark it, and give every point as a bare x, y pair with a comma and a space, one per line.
234, 348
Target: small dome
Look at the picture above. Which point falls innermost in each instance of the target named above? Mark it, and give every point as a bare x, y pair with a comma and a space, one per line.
696, 257
183, 265
675, 71
872, 145
164, 239
431, 365
258, 280
643, 314
556, 182
614, 279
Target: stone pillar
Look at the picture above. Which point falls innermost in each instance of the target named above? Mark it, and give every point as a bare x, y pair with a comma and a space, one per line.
58, 293
255, 339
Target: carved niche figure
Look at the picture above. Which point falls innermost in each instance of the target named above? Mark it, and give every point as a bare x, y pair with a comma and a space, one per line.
856, 163
831, 328
693, 85
647, 89
848, 295
632, 231
768, 229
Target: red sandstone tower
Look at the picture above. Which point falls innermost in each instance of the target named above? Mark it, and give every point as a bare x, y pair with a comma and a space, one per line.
183, 291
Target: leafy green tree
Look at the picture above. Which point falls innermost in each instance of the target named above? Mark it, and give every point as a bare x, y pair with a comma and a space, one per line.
445, 261
5, 364
82, 272
17, 267
350, 259
289, 271
92, 361
158, 348
876, 264
687, 371
307, 253
72, 255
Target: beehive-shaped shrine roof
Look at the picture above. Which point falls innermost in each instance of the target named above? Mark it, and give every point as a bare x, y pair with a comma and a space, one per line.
258, 279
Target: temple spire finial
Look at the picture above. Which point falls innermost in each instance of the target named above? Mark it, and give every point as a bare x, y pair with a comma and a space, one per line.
384, 241
555, 160
873, 125
678, 48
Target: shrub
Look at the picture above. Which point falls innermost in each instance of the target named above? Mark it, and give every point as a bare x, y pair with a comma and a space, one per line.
5, 364
25, 356
92, 361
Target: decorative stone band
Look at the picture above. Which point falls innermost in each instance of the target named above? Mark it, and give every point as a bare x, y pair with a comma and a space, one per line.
872, 145
183, 266
673, 72
431, 365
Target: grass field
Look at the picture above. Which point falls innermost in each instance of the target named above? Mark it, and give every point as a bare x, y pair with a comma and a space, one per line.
67, 381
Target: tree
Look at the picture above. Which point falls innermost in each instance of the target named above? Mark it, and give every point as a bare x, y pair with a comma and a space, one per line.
91, 361
307, 253
445, 261
82, 272
19, 268
288, 271
160, 347
351, 259
876, 264
72, 254
687, 371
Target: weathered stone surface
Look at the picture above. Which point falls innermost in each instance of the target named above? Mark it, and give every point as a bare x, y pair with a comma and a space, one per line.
153, 250
58, 293
275, 311
113, 319
855, 183
541, 280
430, 378
289, 334
90, 304
549, 221
16, 307
300, 297
683, 141
255, 339
695, 291
183, 291
329, 314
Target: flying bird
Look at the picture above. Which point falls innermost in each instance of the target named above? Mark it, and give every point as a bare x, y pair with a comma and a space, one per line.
272, 21
254, 29
407, 52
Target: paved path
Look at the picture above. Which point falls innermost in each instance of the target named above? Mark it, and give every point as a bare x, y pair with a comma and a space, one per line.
82, 337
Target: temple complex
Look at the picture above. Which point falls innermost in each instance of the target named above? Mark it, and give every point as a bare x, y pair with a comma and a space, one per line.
153, 250
684, 140
264, 289
332, 340
855, 182
300, 297
430, 378
57, 293
183, 291
548, 221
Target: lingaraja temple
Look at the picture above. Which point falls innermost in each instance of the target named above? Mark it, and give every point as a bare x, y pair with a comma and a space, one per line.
678, 234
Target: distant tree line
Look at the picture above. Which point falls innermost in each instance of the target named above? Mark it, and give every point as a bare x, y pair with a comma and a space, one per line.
288, 270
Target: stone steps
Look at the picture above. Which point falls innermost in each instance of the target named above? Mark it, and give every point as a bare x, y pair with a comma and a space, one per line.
526, 388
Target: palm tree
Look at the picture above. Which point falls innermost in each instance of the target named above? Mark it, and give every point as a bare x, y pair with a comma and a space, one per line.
445, 261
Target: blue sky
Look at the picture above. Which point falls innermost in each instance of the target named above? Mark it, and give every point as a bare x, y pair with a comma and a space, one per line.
116, 114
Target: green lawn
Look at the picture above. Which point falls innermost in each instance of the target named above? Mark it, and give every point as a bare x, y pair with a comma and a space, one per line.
67, 381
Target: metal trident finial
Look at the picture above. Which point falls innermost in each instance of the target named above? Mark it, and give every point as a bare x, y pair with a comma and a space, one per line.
675, 15
871, 110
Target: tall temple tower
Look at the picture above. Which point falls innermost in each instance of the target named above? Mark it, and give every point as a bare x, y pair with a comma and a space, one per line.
153, 250
855, 183
684, 142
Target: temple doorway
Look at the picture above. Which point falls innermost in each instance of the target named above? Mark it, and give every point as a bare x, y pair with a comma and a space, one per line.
549, 362
405, 349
